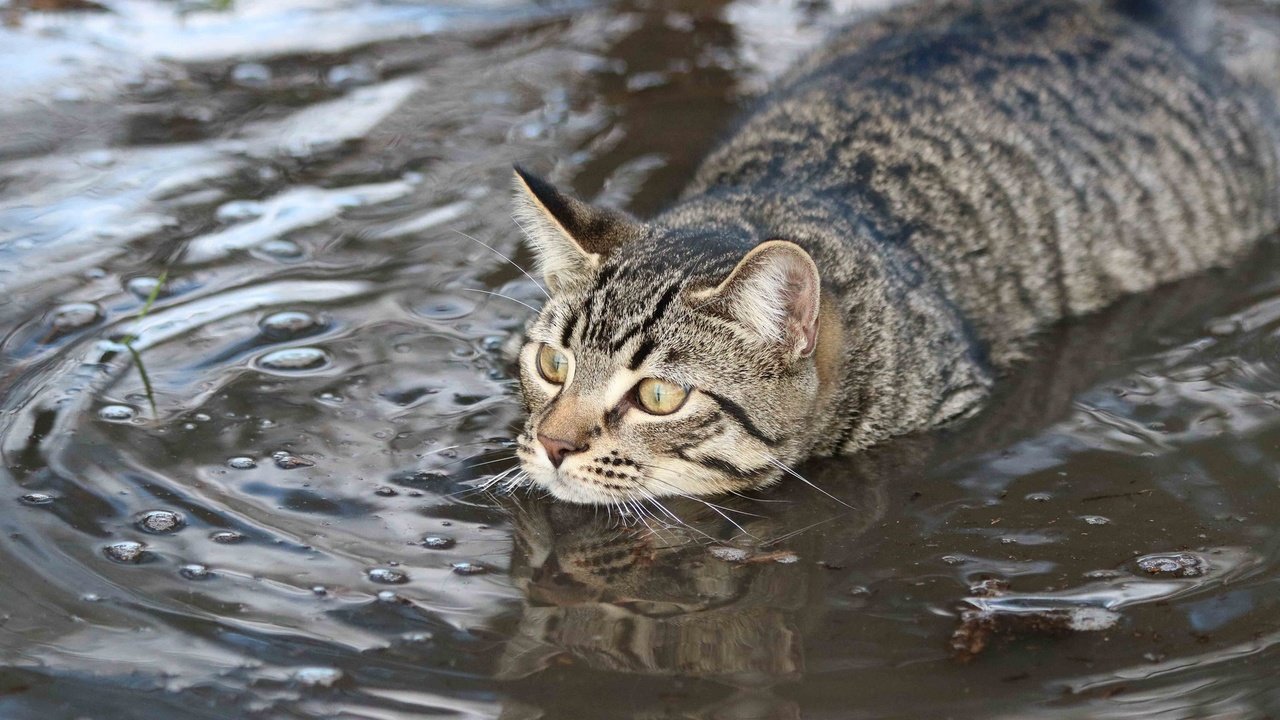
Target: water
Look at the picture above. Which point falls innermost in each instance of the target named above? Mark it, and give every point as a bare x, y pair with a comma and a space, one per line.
279, 519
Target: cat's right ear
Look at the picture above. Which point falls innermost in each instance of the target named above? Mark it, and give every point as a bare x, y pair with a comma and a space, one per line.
570, 238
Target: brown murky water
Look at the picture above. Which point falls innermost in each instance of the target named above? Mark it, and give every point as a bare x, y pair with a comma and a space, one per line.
292, 529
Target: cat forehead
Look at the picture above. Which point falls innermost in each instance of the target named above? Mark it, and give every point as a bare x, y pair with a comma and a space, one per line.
618, 311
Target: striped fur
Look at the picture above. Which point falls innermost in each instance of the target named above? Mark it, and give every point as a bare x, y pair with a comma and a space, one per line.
963, 174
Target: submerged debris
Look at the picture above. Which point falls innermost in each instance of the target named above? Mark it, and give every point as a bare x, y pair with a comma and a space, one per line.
994, 611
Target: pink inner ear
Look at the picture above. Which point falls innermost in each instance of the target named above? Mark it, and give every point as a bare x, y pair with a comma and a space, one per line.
802, 307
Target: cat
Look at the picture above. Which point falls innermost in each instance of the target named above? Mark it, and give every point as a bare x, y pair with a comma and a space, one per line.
886, 232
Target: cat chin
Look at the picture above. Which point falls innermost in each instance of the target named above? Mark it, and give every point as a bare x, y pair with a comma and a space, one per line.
566, 488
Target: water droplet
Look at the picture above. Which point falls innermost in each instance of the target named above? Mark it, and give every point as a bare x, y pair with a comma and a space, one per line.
195, 571
160, 522
344, 76
294, 359
282, 249
1182, 564
242, 463
117, 413
226, 537
445, 307
142, 287
466, 568
319, 676
388, 576
125, 552
1095, 519
289, 461
289, 324
252, 75
1039, 497
438, 542
37, 499
73, 316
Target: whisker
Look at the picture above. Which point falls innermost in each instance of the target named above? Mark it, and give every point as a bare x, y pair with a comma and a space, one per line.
782, 466
504, 257
498, 294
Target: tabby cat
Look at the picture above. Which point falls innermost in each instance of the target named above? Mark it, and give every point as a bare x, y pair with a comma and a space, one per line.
883, 235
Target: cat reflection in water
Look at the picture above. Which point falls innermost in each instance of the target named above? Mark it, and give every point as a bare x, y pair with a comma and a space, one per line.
882, 237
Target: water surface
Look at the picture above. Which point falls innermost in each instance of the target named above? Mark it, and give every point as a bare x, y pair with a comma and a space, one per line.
258, 500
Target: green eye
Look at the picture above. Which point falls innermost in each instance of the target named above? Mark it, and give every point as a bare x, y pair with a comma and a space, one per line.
553, 365
659, 397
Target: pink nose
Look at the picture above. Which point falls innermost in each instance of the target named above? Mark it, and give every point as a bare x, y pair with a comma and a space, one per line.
557, 449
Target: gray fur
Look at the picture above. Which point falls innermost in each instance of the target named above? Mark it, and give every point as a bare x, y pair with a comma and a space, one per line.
963, 174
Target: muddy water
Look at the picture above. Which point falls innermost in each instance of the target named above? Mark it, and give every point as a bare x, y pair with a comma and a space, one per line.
257, 498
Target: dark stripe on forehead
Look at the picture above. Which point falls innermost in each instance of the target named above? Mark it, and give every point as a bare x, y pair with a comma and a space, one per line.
588, 307
649, 320
642, 352
738, 413
566, 335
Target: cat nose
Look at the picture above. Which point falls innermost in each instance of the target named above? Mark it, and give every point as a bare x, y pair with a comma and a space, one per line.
557, 449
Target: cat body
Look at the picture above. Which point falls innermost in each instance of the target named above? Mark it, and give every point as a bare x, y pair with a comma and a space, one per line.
884, 234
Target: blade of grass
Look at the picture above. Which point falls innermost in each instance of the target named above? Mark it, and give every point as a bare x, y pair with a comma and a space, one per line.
128, 341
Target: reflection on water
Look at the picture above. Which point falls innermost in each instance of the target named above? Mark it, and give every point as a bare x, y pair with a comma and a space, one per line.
293, 529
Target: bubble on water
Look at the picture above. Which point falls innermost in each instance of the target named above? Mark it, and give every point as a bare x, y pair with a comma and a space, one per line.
160, 522
73, 316
386, 491
226, 537
242, 463
1183, 564
238, 210
388, 596
466, 568
294, 359
195, 571
318, 676
142, 287
416, 637
36, 498
952, 560
252, 75
388, 576
444, 307
289, 324
91, 597
283, 249
1039, 497
1095, 519
319, 590
128, 552
345, 76
201, 417
438, 542
117, 413
289, 461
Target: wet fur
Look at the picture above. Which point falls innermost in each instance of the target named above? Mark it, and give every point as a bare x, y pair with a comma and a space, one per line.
963, 174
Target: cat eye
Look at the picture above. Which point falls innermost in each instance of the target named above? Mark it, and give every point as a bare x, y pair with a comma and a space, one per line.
553, 365
659, 397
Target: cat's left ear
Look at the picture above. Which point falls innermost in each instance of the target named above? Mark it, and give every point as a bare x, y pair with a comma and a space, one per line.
570, 238
774, 291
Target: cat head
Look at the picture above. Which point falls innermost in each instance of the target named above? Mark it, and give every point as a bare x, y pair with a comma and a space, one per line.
655, 370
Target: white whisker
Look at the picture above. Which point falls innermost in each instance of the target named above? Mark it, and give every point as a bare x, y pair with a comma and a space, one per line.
504, 257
